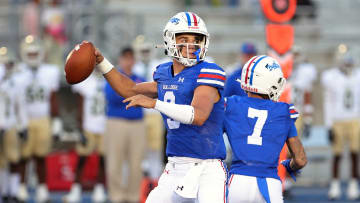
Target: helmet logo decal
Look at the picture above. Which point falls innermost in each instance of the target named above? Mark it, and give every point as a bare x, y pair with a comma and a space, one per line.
272, 67
175, 20
195, 20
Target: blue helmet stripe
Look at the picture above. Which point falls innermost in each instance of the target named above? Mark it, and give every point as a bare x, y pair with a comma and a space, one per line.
253, 68
188, 18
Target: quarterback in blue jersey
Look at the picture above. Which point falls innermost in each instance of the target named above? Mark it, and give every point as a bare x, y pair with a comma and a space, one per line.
189, 94
257, 127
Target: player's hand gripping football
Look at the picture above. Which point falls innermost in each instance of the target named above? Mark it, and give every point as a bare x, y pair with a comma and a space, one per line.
140, 101
98, 56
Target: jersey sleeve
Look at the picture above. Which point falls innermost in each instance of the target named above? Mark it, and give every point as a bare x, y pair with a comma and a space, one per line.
157, 73
294, 114
53, 76
213, 76
293, 131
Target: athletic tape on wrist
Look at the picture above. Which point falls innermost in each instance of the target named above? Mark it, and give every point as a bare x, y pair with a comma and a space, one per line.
105, 66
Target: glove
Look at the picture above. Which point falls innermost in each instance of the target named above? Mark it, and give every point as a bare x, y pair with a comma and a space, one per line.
331, 136
292, 173
23, 135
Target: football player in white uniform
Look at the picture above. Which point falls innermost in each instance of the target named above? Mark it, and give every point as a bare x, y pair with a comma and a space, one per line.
13, 124
92, 121
342, 116
302, 81
41, 83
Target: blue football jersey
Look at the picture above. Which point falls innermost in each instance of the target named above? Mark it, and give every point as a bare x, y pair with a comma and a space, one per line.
257, 130
203, 142
233, 86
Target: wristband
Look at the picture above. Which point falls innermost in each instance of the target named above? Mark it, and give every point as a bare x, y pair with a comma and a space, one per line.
105, 66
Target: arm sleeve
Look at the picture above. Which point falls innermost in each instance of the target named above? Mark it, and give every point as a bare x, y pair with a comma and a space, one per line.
212, 76
21, 110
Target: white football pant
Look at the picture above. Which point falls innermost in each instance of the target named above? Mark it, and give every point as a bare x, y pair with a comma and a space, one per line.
211, 184
245, 189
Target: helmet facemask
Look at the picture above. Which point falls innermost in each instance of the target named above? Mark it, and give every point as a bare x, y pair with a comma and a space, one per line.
32, 51
176, 50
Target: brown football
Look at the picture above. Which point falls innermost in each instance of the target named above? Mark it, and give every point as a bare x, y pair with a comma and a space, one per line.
80, 63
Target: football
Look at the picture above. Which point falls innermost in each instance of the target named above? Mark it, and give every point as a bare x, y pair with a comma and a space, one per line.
80, 63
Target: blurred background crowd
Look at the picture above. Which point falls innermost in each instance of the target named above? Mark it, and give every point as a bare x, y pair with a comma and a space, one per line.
98, 150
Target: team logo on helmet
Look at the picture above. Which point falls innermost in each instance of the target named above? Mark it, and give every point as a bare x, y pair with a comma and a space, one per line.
272, 67
175, 20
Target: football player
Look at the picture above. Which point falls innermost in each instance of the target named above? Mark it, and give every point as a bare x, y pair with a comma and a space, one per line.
342, 117
248, 50
92, 122
145, 67
302, 80
189, 94
258, 127
41, 82
13, 123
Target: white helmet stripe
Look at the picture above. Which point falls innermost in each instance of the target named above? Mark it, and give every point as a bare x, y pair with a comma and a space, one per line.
253, 68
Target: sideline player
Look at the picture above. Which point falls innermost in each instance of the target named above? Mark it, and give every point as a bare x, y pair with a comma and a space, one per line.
41, 83
342, 117
92, 121
190, 98
258, 127
13, 124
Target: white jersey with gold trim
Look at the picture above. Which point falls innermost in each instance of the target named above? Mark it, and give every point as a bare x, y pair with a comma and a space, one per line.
301, 81
39, 84
12, 103
341, 95
92, 90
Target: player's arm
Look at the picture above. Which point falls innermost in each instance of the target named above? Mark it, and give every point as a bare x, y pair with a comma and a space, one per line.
123, 85
196, 113
203, 101
21, 115
56, 124
297, 152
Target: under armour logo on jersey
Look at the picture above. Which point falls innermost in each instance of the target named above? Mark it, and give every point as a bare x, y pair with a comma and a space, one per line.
180, 188
181, 79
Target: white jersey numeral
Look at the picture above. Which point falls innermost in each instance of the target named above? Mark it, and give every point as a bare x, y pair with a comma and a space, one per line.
261, 115
170, 97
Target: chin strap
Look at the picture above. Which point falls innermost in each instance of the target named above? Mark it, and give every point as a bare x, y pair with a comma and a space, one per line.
197, 55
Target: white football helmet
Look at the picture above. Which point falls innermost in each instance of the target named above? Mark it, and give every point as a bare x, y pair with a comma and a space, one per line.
31, 51
262, 75
185, 22
7, 58
144, 50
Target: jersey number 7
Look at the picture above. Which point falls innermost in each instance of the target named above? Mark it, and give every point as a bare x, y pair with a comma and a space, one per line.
261, 115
